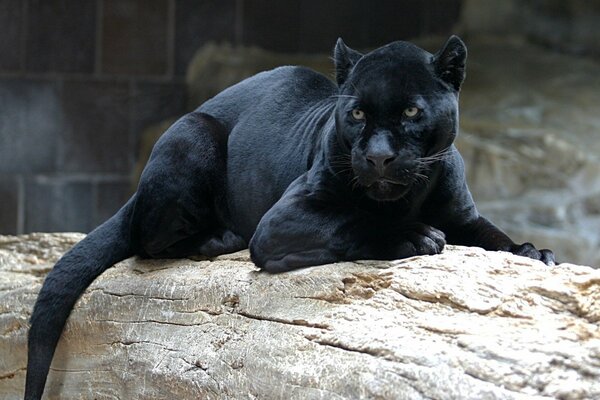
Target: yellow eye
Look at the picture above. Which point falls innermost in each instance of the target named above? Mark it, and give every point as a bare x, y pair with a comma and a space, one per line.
411, 112
358, 115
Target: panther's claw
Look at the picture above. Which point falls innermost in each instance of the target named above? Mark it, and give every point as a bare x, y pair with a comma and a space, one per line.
528, 250
426, 240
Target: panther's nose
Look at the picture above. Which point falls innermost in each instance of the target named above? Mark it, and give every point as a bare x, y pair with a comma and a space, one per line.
380, 160
379, 152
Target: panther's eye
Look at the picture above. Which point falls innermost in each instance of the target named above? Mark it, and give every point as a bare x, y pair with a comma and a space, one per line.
411, 112
358, 114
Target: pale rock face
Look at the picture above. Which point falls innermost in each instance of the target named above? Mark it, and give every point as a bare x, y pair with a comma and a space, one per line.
530, 136
466, 324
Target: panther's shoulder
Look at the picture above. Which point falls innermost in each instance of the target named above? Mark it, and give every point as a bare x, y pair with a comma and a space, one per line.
300, 75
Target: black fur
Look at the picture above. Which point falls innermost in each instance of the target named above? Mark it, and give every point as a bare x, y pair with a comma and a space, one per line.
304, 171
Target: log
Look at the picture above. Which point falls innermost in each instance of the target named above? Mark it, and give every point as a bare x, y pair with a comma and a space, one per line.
465, 324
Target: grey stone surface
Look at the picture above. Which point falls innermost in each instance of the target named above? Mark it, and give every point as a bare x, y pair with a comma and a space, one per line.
216, 67
59, 204
96, 136
199, 22
110, 197
313, 26
30, 121
261, 18
10, 196
12, 20
135, 36
466, 324
61, 36
153, 102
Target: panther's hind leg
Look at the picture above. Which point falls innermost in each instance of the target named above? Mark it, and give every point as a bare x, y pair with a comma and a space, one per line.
226, 242
202, 244
181, 208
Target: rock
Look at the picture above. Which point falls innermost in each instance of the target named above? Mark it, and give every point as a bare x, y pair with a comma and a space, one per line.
148, 138
567, 25
465, 324
215, 67
529, 136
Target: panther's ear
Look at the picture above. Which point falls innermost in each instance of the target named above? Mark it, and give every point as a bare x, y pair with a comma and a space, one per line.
344, 58
450, 62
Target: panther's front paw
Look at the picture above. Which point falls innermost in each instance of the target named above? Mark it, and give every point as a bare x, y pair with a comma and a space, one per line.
423, 239
528, 250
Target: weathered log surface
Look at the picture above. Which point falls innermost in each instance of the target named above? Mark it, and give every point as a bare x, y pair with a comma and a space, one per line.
466, 324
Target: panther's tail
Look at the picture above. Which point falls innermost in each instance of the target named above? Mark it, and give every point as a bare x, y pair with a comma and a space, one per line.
72, 274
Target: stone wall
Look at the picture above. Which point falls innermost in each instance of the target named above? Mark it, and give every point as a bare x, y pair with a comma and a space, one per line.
80, 79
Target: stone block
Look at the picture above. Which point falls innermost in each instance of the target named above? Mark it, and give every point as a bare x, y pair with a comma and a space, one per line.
313, 26
11, 33
30, 122
58, 205
437, 16
272, 25
198, 22
155, 102
10, 199
134, 37
110, 197
319, 30
96, 135
61, 36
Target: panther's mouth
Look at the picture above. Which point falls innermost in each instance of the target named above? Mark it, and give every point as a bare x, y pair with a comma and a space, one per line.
386, 189
384, 180
383, 185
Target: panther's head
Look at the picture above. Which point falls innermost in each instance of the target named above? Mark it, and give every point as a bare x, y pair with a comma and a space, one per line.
397, 111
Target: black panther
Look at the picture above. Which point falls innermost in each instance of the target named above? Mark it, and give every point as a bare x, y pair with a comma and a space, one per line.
300, 169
